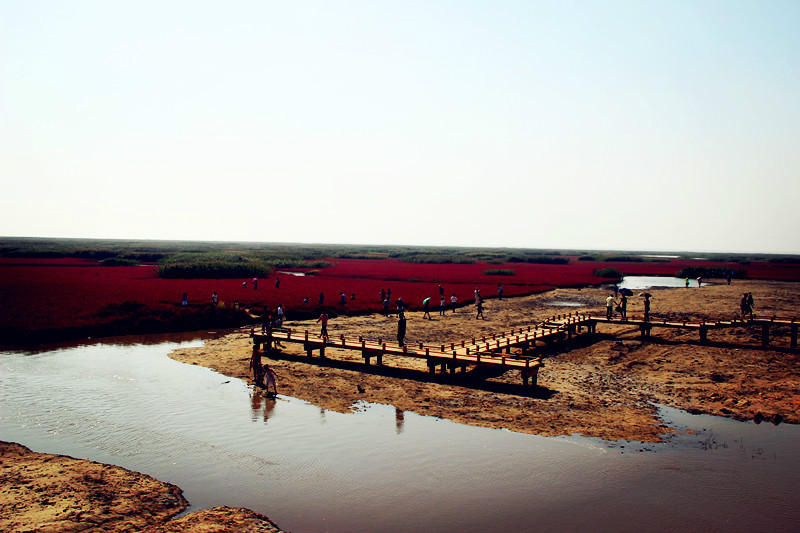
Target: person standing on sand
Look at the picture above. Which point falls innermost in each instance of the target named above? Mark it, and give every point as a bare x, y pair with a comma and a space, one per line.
751, 304
479, 305
441, 305
425, 308
453, 301
255, 367
610, 302
266, 328
623, 307
646, 307
500, 291
324, 331
401, 328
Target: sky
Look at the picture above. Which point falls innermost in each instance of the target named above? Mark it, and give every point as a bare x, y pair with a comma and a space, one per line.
625, 125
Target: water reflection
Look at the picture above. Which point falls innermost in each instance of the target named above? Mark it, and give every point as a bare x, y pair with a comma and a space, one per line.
261, 407
399, 420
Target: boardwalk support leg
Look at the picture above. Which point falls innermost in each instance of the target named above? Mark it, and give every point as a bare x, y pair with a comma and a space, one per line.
703, 334
794, 337
764, 335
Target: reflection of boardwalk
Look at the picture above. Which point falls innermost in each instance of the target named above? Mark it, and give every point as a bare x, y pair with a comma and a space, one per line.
495, 350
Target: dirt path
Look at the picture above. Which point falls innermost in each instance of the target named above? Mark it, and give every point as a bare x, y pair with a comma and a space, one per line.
600, 387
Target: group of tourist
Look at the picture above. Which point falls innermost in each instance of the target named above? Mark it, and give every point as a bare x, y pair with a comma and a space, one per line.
747, 305
621, 306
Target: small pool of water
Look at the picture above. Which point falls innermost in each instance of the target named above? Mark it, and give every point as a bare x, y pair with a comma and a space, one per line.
381, 469
649, 282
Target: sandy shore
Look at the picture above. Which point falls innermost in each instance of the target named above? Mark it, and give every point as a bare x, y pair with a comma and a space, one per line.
56, 493
602, 386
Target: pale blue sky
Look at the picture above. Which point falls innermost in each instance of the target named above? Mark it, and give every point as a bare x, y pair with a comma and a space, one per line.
563, 124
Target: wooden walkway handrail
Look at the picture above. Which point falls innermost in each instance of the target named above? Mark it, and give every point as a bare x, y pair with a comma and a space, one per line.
487, 350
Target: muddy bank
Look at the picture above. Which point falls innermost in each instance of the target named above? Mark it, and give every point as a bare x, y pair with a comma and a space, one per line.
598, 386
48, 493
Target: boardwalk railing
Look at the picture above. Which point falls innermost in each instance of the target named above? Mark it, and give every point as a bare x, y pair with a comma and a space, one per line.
494, 350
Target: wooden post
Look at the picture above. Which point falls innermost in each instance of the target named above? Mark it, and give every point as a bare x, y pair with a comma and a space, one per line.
794, 336
703, 333
764, 335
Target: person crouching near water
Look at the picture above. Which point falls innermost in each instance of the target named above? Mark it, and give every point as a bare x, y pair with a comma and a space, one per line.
270, 379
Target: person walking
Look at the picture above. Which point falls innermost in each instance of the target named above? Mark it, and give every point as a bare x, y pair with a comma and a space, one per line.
479, 305
426, 308
401, 328
324, 331
441, 306
500, 291
453, 301
623, 307
279, 324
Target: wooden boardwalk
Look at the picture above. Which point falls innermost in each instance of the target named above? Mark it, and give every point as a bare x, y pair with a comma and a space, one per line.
766, 325
495, 350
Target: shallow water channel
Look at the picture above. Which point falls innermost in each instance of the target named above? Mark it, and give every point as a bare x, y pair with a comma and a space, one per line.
380, 469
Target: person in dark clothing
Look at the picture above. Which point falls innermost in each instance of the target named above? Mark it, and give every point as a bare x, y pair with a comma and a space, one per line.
255, 366
401, 328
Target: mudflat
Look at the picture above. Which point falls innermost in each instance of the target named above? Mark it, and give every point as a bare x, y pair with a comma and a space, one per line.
605, 385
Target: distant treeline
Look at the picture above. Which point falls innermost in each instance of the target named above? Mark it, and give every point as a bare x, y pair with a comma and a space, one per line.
220, 265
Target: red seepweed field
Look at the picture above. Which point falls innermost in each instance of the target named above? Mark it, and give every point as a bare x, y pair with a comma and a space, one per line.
67, 298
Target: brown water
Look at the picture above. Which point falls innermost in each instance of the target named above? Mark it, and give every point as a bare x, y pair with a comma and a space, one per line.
380, 469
